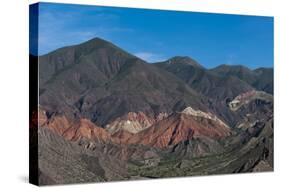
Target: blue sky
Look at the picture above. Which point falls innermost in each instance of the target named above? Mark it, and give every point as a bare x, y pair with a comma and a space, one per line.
155, 35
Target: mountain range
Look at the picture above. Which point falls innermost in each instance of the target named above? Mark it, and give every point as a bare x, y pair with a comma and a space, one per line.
113, 116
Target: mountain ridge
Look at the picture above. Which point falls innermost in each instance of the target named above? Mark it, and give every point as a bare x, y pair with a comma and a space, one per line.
119, 78
121, 73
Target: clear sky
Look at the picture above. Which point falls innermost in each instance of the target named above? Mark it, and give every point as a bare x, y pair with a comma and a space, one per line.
155, 35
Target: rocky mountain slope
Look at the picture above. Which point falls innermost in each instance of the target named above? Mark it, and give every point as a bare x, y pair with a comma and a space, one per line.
102, 83
103, 111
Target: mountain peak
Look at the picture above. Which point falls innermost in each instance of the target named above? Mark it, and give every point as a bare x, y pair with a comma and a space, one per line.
98, 42
97, 39
232, 67
184, 60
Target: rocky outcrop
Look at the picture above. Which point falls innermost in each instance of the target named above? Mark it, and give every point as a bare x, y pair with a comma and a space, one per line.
86, 129
180, 127
58, 124
198, 113
75, 131
133, 122
246, 98
121, 136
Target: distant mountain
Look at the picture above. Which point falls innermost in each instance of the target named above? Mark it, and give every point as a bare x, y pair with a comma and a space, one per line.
264, 79
215, 86
239, 71
218, 89
261, 78
184, 60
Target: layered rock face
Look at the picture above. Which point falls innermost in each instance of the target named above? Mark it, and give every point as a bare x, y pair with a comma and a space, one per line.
75, 131
180, 127
133, 122
138, 129
197, 113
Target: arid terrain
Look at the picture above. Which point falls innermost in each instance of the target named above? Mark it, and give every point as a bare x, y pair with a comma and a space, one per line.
107, 115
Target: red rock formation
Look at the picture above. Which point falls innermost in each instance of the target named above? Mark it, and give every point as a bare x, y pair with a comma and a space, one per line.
86, 129
172, 130
121, 137
77, 130
58, 124
179, 127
